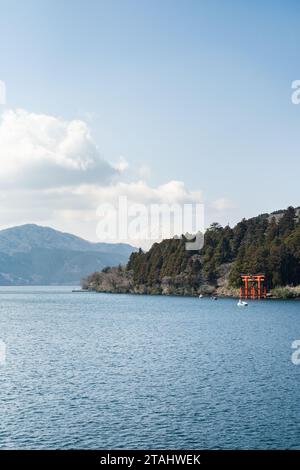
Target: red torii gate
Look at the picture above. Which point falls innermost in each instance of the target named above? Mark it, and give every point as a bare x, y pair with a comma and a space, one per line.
254, 286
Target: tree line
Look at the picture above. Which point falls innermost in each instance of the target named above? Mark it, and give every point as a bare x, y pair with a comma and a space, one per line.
268, 244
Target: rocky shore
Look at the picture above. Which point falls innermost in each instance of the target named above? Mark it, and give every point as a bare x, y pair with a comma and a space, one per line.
268, 244
119, 280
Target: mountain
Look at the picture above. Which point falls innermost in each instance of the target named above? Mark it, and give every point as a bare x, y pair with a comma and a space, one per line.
268, 243
31, 255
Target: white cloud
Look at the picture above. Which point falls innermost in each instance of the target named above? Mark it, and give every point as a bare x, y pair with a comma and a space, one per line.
141, 192
74, 209
222, 204
121, 164
52, 173
38, 150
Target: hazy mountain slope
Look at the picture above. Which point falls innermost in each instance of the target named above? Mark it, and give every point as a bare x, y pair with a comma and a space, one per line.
25, 237
31, 254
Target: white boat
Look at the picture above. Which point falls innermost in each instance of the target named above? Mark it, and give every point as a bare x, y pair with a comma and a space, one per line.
200, 296
241, 303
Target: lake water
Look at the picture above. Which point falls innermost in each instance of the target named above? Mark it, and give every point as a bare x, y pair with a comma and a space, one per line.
118, 371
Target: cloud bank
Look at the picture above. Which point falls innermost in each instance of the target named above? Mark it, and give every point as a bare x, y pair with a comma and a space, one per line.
52, 173
41, 151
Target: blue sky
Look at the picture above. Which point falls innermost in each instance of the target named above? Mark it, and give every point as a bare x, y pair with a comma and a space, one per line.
192, 91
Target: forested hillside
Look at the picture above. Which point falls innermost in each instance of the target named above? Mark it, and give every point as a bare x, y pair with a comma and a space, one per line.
267, 243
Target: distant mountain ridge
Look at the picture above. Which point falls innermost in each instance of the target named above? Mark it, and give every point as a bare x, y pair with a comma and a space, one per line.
31, 254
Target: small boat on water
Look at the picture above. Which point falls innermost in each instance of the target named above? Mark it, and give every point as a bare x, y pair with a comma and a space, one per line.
200, 296
242, 303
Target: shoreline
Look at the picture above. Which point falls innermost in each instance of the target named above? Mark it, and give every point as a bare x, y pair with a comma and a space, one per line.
215, 296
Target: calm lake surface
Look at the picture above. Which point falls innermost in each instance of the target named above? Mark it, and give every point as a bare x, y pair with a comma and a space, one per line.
118, 371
